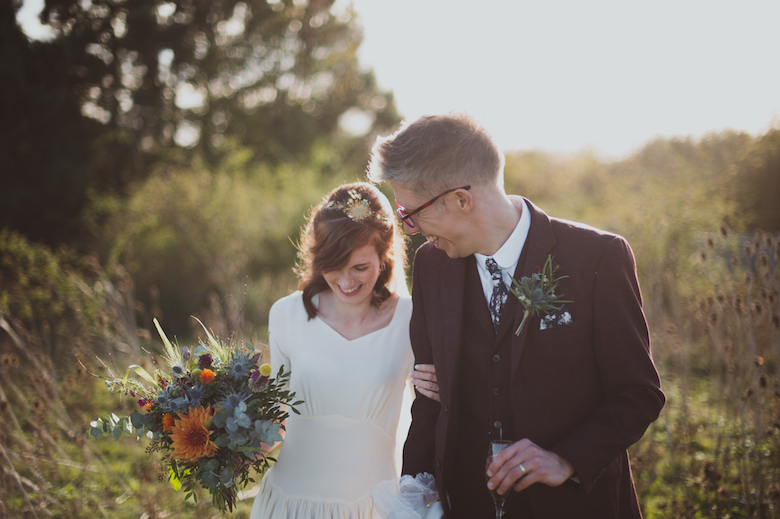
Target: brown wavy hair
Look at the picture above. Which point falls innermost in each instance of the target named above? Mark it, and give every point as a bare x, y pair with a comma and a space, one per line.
330, 237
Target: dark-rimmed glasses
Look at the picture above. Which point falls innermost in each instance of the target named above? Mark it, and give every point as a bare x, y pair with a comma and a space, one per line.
406, 216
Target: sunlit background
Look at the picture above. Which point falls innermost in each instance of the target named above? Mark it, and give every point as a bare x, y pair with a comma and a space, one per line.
565, 75
160, 157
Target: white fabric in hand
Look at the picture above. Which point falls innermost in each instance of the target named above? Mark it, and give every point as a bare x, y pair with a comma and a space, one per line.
405, 498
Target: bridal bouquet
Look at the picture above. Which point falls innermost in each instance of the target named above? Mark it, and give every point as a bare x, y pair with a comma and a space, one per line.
209, 414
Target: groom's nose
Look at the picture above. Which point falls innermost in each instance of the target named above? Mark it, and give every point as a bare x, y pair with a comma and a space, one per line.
408, 229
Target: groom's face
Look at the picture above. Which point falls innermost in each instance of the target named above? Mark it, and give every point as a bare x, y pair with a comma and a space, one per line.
439, 223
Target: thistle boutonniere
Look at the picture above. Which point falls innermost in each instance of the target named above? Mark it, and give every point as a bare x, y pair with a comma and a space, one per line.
537, 293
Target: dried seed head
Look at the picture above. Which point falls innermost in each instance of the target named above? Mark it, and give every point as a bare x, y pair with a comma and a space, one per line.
4, 405
758, 236
702, 255
710, 242
724, 229
757, 308
759, 360
762, 381
776, 322
763, 260
9, 360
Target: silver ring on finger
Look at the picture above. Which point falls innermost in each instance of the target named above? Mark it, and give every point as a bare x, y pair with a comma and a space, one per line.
522, 468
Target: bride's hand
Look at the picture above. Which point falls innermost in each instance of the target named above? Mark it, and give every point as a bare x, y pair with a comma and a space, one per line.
424, 380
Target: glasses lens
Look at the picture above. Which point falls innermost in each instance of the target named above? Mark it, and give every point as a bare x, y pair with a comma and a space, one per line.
401, 212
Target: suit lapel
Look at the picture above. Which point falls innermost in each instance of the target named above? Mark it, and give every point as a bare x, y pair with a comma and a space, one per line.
452, 277
540, 241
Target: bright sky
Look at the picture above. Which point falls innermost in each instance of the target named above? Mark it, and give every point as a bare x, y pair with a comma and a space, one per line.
568, 75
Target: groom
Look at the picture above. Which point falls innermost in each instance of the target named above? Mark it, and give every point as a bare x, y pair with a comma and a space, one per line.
573, 390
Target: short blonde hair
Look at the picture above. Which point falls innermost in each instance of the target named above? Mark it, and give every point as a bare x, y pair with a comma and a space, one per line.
436, 153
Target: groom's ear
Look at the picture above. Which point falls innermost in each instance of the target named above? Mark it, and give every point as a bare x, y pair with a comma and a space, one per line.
465, 200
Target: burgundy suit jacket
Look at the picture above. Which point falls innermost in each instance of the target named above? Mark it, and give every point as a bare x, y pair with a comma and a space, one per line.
585, 390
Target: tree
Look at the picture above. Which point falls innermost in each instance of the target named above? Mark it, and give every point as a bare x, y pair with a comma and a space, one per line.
128, 84
277, 74
48, 163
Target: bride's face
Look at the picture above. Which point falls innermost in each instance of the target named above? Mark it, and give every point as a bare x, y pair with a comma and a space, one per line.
354, 283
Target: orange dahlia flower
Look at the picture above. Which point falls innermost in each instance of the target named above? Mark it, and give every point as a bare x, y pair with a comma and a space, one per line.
207, 376
167, 422
191, 439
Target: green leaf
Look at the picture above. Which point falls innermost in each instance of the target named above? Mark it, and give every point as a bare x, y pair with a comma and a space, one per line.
214, 342
175, 481
141, 372
164, 338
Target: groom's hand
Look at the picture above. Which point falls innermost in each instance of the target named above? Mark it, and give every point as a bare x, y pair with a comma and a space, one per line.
524, 463
424, 380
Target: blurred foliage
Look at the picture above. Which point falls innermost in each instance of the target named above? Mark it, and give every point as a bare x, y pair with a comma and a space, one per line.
55, 308
60, 298
124, 86
715, 451
757, 183
217, 242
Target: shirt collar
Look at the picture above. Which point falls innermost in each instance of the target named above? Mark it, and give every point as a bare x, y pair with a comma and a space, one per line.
509, 253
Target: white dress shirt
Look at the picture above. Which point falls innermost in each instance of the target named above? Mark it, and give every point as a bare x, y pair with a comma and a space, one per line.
507, 255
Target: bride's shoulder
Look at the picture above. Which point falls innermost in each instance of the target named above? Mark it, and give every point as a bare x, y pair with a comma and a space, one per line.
404, 303
288, 304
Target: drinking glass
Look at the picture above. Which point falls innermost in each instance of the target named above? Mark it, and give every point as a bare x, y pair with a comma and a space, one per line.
497, 446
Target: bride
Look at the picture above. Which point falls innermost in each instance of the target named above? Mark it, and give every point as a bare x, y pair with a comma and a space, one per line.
344, 335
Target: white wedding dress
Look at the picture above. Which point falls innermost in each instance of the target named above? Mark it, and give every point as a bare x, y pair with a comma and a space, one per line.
343, 442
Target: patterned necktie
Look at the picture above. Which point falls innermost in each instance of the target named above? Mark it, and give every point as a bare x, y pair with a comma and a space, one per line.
499, 295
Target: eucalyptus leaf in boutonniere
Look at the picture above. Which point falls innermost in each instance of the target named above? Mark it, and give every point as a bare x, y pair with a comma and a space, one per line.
537, 293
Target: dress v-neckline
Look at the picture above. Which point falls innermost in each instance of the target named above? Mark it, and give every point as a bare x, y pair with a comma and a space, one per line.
316, 300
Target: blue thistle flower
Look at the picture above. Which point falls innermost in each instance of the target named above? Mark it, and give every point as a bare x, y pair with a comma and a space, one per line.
177, 404
234, 399
195, 395
240, 366
163, 400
